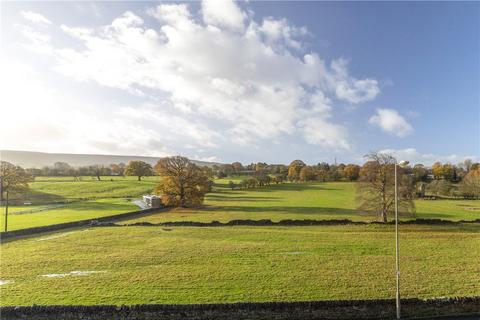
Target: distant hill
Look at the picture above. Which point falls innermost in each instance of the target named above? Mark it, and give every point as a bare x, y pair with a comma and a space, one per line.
30, 159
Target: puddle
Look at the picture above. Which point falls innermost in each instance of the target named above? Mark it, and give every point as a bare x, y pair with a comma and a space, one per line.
71, 273
55, 236
3, 282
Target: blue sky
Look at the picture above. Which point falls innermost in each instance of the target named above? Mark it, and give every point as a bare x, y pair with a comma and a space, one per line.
257, 81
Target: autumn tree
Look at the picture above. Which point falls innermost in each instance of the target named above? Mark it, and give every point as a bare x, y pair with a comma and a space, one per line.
306, 174
13, 179
237, 167
470, 185
351, 172
139, 169
376, 187
437, 170
294, 170
183, 183
117, 169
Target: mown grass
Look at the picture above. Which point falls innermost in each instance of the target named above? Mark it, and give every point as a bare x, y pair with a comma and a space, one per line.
331, 200
59, 189
228, 264
61, 199
20, 218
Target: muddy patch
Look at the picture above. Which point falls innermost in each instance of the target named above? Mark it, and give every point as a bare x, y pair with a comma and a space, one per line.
4, 282
75, 273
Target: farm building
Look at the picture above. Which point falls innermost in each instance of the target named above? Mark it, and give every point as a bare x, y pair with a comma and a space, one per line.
153, 201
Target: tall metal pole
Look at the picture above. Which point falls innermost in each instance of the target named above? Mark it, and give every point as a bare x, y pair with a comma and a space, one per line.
6, 212
397, 260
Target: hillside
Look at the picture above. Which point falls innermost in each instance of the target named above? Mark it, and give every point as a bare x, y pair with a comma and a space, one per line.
30, 159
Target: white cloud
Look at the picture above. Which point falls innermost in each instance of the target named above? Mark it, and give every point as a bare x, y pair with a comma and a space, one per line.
35, 17
319, 132
415, 157
38, 42
223, 77
392, 122
223, 13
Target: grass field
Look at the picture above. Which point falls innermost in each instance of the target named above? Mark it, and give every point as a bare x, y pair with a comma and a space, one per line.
60, 199
332, 200
132, 265
59, 189
20, 217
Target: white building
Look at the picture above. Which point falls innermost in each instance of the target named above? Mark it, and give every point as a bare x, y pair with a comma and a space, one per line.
152, 201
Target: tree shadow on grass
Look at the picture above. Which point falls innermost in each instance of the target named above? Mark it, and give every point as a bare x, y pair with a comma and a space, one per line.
35, 197
223, 188
288, 210
342, 213
232, 197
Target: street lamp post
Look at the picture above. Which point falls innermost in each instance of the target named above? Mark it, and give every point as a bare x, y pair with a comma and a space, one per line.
397, 253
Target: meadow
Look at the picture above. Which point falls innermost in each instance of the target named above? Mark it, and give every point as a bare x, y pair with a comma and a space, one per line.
317, 201
154, 264
138, 265
60, 199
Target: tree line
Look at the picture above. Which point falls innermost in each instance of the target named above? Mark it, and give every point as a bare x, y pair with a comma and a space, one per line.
185, 184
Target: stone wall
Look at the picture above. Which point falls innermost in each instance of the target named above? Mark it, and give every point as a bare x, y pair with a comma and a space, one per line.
349, 309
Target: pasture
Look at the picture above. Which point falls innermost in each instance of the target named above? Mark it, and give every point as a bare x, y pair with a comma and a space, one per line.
60, 199
317, 201
138, 265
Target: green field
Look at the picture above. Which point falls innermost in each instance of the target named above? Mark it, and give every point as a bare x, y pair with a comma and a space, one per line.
21, 217
59, 189
138, 265
330, 200
60, 199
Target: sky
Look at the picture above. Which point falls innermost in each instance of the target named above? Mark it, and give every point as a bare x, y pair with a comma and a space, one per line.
242, 81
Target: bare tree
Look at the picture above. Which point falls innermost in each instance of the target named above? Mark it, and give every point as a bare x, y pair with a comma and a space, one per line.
376, 187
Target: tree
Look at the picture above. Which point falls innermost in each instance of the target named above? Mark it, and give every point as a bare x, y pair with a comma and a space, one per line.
470, 185
420, 173
61, 168
278, 178
183, 184
12, 179
139, 169
437, 170
448, 172
237, 167
376, 187
231, 184
306, 174
351, 172
96, 171
294, 169
117, 169
440, 187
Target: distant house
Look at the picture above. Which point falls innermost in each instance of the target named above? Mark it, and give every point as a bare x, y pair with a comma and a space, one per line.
153, 201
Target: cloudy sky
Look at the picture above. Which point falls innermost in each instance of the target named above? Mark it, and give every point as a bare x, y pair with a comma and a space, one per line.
255, 81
